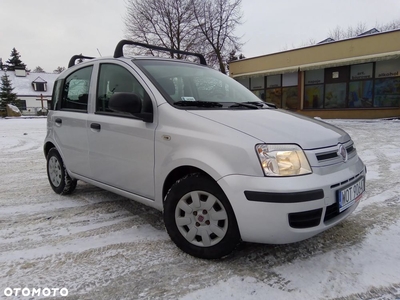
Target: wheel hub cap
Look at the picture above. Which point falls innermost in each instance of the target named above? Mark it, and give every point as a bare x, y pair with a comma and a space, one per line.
201, 218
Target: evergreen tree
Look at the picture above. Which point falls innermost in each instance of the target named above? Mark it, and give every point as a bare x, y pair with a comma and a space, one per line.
15, 61
6, 94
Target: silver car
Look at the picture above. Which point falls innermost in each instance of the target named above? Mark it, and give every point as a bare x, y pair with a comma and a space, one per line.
178, 136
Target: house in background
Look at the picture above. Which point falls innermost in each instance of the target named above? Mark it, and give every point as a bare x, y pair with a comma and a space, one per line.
32, 89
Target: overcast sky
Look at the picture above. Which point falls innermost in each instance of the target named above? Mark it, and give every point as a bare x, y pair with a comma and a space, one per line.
48, 32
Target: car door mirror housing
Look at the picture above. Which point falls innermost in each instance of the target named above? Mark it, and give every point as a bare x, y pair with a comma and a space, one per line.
125, 103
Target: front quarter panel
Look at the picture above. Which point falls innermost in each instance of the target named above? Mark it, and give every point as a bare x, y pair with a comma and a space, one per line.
183, 139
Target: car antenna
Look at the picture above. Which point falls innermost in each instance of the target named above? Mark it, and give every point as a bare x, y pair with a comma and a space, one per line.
99, 52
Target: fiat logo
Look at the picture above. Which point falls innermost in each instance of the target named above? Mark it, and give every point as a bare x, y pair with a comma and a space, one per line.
342, 152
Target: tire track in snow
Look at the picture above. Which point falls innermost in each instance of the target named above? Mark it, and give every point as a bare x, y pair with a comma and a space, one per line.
102, 246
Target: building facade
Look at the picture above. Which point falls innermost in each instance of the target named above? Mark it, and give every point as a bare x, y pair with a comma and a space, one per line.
33, 89
352, 78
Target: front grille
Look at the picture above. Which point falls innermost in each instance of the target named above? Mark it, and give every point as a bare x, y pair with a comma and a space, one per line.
346, 181
305, 219
333, 154
331, 212
350, 149
326, 156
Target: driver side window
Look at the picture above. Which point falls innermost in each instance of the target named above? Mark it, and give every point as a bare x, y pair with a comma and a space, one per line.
114, 79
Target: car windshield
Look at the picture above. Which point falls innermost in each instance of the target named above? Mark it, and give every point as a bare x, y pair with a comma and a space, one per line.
186, 84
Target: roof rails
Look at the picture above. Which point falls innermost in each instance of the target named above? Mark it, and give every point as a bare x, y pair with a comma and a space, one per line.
75, 57
119, 53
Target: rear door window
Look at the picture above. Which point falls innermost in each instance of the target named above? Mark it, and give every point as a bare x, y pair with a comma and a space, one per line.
75, 94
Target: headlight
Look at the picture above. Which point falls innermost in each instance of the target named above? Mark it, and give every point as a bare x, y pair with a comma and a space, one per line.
282, 160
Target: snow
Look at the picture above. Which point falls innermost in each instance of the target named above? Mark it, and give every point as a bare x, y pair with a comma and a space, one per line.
23, 84
100, 245
13, 108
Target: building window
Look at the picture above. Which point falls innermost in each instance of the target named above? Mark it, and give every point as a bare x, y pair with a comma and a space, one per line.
336, 80
21, 104
243, 81
360, 94
257, 86
274, 96
290, 99
335, 95
387, 84
313, 96
387, 92
40, 86
314, 89
360, 86
274, 90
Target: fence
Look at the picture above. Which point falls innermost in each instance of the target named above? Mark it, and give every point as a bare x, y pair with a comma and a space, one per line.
34, 111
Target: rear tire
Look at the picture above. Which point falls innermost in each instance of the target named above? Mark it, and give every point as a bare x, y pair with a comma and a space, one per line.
199, 218
60, 181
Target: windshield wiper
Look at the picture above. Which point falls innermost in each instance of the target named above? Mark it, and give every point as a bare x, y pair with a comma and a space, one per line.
198, 103
254, 105
245, 104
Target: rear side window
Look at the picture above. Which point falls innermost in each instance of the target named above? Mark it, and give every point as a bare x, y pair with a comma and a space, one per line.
76, 90
55, 99
116, 79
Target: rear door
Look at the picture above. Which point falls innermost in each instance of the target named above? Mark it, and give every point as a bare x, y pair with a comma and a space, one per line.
121, 147
69, 119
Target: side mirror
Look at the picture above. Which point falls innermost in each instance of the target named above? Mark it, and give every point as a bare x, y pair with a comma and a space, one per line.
125, 103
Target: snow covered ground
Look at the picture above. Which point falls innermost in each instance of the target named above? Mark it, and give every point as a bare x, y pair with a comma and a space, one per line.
102, 246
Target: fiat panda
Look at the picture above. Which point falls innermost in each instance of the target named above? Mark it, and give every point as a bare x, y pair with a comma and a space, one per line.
222, 165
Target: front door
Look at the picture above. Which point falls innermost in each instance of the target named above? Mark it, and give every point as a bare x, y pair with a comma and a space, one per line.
121, 147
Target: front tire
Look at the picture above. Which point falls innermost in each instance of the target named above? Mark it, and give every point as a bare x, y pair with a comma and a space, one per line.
60, 181
199, 218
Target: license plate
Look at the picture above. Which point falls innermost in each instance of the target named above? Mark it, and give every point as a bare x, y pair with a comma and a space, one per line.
349, 195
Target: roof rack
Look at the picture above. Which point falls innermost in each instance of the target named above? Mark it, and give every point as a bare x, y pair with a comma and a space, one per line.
75, 57
119, 53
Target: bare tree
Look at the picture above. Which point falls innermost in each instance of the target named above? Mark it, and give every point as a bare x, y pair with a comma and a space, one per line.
164, 23
204, 26
339, 33
335, 33
395, 24
59, 70
217, 21
38, 69
360, 28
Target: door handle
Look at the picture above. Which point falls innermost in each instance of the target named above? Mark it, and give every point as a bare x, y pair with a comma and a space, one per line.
95, 126
58, 121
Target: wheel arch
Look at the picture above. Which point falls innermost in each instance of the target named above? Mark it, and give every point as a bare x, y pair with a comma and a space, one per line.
46, 148
179, 173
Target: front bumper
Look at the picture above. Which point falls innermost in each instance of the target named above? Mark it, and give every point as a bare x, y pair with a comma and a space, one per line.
280, 210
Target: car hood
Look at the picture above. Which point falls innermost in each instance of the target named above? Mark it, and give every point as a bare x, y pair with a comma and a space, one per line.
278, 126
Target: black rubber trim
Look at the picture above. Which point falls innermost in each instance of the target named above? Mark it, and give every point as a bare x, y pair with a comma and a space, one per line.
284, 197
119, 50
